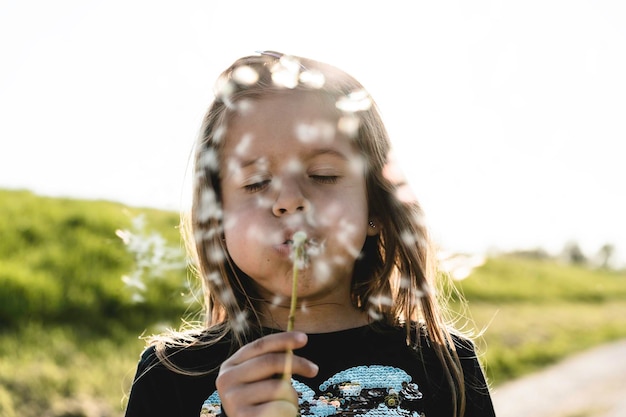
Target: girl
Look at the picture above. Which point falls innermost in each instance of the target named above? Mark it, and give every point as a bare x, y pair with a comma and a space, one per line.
294, 146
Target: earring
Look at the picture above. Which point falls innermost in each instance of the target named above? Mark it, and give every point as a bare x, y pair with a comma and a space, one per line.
372, 224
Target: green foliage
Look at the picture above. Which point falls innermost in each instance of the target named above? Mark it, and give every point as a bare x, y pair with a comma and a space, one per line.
70, 327
62, 263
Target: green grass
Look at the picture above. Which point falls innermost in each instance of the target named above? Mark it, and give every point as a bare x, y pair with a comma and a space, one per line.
70, 331
535, 312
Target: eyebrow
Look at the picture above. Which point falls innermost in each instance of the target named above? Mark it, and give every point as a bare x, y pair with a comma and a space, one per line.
316, 152
328, 151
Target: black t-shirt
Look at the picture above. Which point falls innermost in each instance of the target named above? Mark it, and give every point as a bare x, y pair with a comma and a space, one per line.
365, 371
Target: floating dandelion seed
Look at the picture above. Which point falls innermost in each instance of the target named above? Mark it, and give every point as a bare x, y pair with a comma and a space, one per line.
349, 125
408, 238
320, 130
240, 322
245, 106
312, 78
276, 301
299, 255
245, 75
134, 281
375, 315
209, 161
294, 166
355, 101
244, 144
286, 72
224, 89
215, 277
322, 271
219, 133
405, 282
216, 255
208, 206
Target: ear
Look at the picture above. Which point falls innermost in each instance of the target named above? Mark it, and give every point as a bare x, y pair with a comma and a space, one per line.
373, 226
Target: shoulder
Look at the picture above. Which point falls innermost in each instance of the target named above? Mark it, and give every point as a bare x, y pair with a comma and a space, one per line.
200, 352
464, 346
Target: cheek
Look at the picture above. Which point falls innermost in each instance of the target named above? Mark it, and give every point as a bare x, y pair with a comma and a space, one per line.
246, 233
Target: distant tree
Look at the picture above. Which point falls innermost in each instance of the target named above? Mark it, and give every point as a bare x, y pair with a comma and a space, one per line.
605, 255
573, 254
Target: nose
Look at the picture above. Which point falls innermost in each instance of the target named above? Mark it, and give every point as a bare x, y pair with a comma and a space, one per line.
289, 199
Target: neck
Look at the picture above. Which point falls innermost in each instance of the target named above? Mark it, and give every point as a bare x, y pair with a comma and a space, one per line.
317, 318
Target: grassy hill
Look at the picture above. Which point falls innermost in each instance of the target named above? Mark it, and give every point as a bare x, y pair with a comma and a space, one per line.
70, 326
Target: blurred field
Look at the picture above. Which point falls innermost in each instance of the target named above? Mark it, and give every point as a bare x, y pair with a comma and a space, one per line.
70, 327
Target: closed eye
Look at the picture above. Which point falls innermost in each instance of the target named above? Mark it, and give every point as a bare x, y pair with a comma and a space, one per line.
257, 186
325, 179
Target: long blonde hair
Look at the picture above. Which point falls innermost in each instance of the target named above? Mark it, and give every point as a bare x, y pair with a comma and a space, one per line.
394, 279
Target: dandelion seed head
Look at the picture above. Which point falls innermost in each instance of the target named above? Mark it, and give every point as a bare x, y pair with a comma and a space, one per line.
299, 238
349, 125
245, 75
355, 101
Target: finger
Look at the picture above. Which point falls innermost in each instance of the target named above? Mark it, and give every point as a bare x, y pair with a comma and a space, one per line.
263, 367
278, 342
273, 409
278, 409
259, 393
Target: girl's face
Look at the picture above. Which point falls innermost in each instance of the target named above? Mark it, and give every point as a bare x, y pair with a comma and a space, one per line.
286, 168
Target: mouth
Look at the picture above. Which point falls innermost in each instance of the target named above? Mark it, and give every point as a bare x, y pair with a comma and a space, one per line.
310, 247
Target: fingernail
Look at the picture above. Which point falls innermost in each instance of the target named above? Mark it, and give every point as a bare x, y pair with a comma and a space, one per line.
301, 337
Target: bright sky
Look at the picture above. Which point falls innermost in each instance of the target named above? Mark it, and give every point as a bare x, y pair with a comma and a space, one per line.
508, 117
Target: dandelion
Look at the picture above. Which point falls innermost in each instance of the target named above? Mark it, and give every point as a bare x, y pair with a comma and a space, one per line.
298, 250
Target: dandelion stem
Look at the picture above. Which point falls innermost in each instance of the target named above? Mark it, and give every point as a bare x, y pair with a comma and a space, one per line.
298, 261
